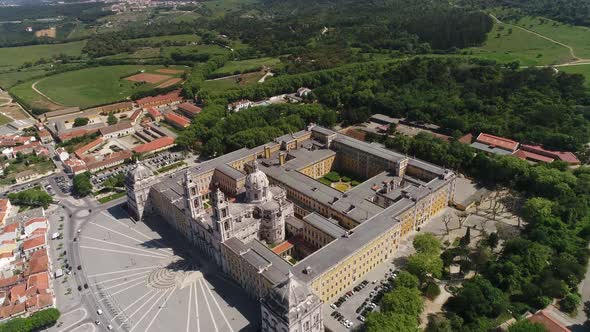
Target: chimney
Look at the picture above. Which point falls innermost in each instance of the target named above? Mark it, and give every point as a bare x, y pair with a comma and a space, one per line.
266, 152
281, 158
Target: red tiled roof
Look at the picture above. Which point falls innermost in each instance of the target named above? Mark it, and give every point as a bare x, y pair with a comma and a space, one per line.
497, 141
39, 301
115, 128
36, 219
17, 291
190, 108
79, 152
44, 133
39, 280
282, 247
135, 115
39, 262
154, 113
12, 310
7, 282
177, 119
114, 158
35, 242
561, 155
26, 146
548, 322
10, 228
526, 155
156, 144
72, 134
6, 255
466, 139
174, 95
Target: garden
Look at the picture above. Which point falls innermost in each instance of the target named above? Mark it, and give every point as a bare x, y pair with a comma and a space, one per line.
339, 182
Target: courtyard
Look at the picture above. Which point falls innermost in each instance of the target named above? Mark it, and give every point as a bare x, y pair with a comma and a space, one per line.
142, 283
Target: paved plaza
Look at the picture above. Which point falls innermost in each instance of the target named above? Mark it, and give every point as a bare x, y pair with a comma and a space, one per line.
143, 284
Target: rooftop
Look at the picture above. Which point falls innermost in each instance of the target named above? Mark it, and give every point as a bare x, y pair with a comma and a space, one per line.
123, 125
190, 108
156, 144
497, 141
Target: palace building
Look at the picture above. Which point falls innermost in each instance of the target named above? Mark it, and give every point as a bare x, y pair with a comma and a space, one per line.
268, 219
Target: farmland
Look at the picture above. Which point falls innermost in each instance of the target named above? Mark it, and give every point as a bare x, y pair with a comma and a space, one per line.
506, 43
74, 88
248, 65
16, 56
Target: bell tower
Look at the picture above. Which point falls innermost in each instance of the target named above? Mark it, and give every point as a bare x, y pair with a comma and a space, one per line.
221, 215
194, 201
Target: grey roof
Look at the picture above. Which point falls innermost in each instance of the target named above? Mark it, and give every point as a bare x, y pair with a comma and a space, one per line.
290, 137
230, 171
272, 266
375, 149
490, 149
384, 118
322, 130
336, 251
327, 226
432, 168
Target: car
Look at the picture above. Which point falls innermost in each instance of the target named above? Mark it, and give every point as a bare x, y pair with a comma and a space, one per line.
97, 322
99, 311
361, 318
333, 306
333, 314
109, 327
374, 281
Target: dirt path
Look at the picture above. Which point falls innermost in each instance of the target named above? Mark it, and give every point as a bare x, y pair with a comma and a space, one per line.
575, 60
34, 87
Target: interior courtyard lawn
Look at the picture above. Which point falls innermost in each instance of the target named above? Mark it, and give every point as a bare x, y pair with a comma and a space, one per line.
94, 86
526, 47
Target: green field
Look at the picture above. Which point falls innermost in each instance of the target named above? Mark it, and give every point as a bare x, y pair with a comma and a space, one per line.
232, 83
575, 36
16, 56
9, 79
86, 87
183, 38
529, 49
3, 118
248, 65
581, 69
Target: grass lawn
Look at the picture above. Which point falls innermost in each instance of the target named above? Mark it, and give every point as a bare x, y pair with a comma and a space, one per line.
39, 166
581, 69
4, 119
87, 87
16, 56
114, 196
232, 83
11, 78
529, 49
171, 167
575, 36
248, 65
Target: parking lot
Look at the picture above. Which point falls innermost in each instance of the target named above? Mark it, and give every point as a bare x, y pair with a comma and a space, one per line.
164, 159
142, 283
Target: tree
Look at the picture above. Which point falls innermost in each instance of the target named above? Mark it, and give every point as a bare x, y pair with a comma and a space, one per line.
112, 119
466, 239
36, 322
525, 325
477, 298
493, 240
427, 243
438, 323
406, 279
79, 122
388, 322
82, 186
402, 300
570, 303
421, 265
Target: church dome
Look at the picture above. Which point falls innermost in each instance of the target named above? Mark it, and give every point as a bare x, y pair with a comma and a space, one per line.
139, 173
256, 180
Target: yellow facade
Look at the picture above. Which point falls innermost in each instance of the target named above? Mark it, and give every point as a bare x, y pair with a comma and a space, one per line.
320, 168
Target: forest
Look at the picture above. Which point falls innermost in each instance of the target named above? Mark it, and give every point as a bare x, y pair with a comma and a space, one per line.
463, 96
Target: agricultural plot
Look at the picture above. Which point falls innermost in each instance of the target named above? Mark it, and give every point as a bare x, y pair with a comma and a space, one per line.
87, 87
506, 43
11, 57
248, 65
233, 82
